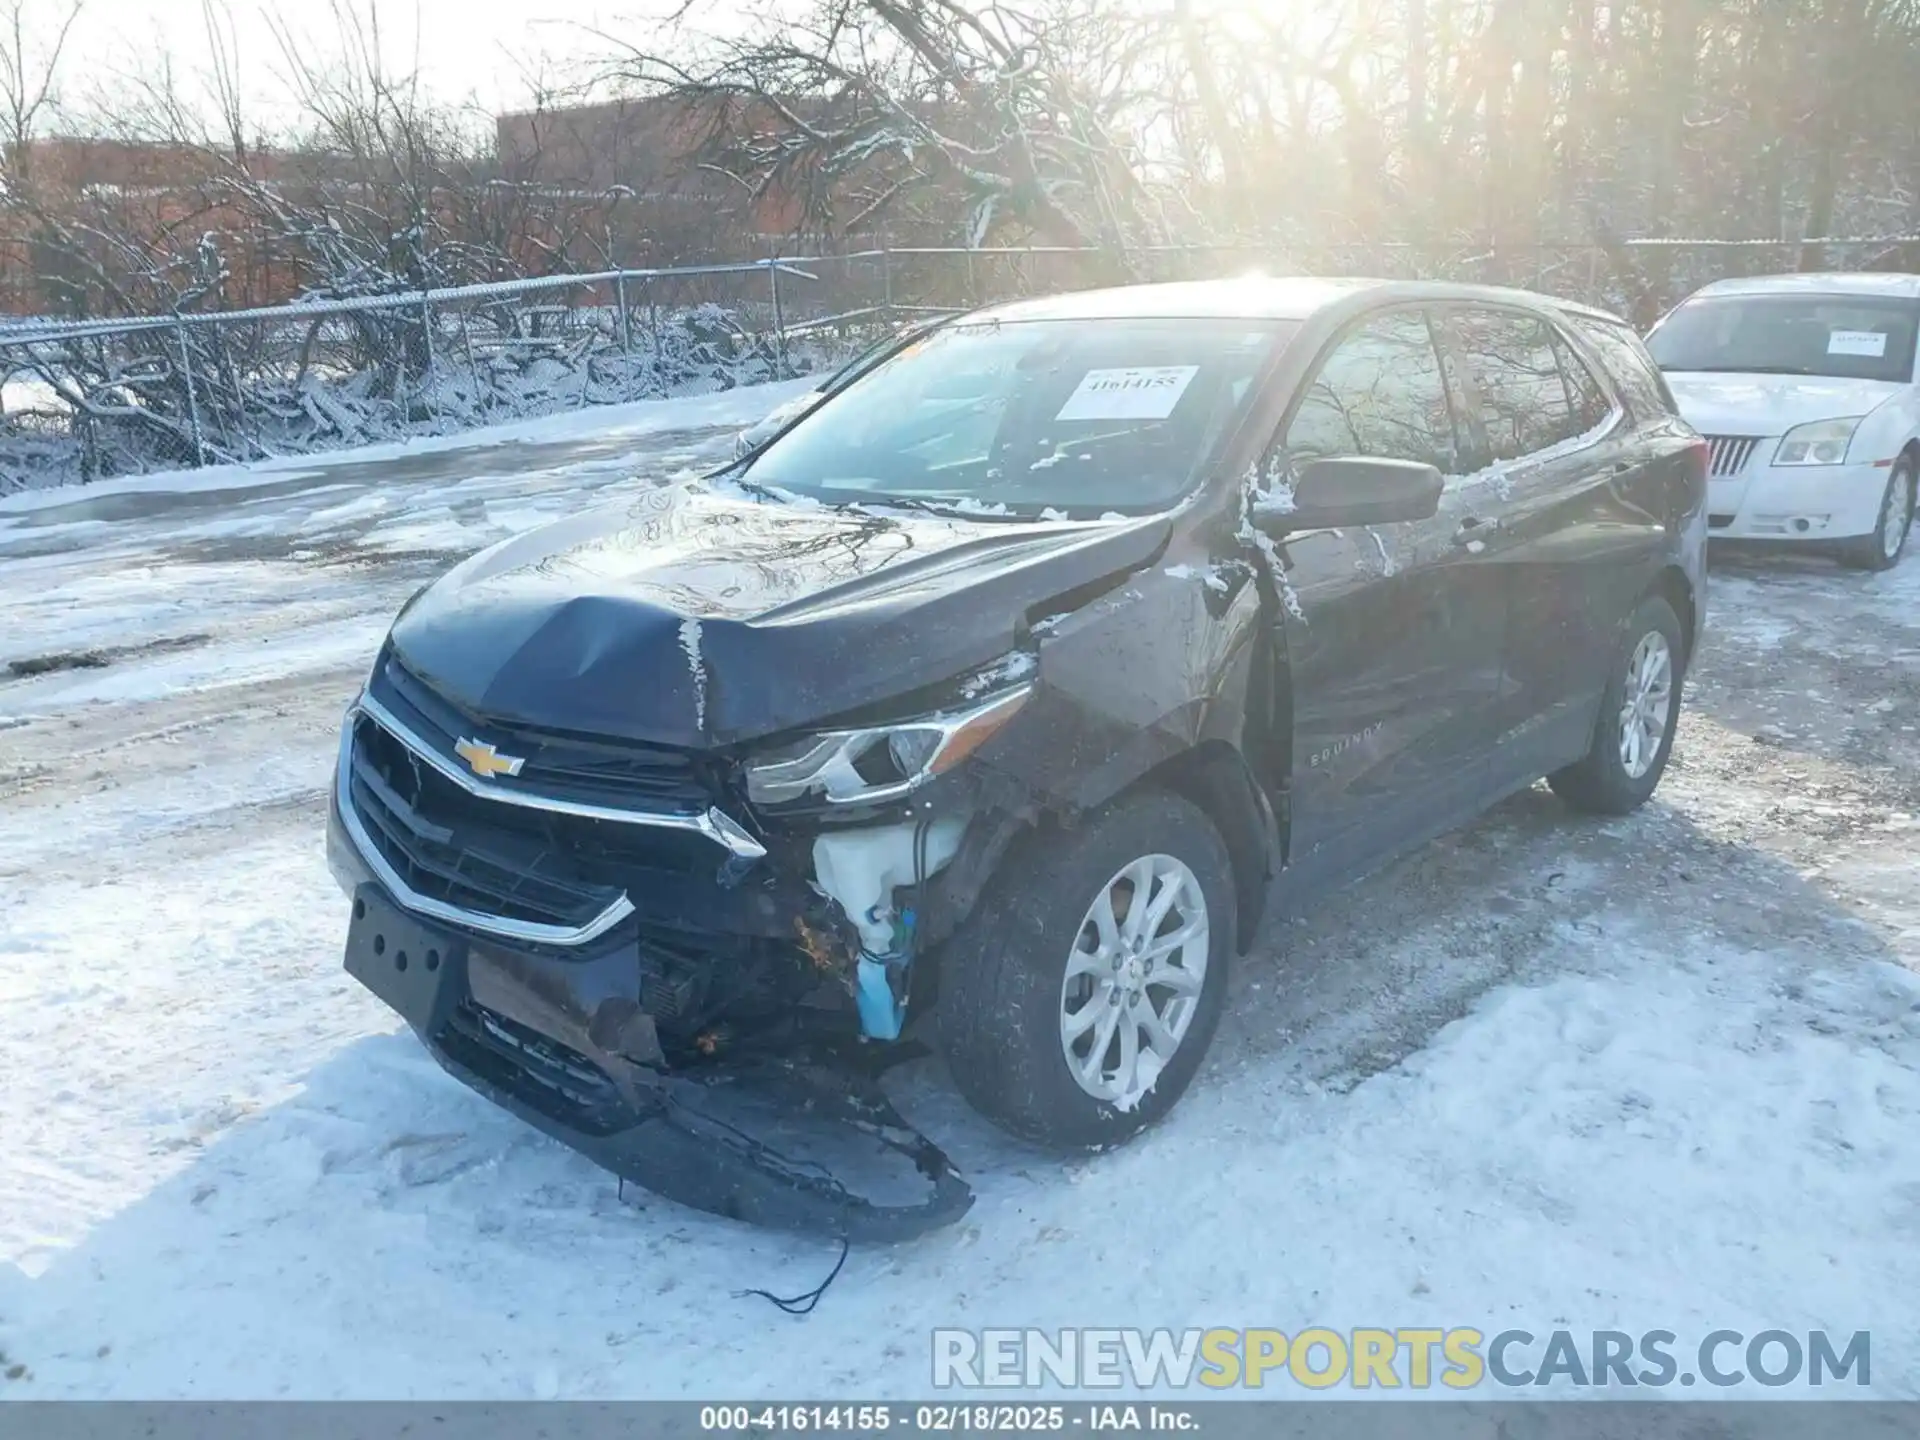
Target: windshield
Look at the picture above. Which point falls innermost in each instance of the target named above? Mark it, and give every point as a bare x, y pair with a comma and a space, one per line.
874, 354
1846, 336
1079, 416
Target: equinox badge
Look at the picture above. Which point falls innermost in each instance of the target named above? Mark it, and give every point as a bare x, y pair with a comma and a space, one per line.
485, 761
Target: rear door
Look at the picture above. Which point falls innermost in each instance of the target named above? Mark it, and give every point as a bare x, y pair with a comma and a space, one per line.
1555, 496
1395, 637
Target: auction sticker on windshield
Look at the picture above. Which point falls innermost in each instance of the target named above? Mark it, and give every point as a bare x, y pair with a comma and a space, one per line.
1871, 343
1145, 393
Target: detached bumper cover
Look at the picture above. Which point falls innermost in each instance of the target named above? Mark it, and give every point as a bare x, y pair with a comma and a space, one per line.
800, 1139
693, 1146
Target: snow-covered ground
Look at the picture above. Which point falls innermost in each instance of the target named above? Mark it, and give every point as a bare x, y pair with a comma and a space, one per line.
1660, 1073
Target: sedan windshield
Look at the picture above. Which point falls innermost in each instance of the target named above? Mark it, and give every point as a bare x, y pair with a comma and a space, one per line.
1846, 336
1079, 416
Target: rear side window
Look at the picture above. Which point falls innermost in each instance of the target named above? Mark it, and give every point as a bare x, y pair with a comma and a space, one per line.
1380, 392
1513, 361
1591, 407
1632, 368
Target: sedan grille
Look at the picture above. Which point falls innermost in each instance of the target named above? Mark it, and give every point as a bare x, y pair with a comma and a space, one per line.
1728, 454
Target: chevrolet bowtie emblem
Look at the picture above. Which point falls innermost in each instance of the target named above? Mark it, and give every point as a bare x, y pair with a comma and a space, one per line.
485, 761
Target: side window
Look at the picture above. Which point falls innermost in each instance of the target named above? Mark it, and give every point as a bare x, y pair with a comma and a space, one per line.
1630, 365
1380, 393
1590, 403
1515, 368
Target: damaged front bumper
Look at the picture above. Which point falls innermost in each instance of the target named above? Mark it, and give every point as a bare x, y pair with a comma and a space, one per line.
786, 1128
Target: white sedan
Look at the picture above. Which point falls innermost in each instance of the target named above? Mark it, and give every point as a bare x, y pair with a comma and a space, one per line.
1806, 388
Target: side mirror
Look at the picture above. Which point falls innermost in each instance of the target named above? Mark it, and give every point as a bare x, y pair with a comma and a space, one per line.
1356, 490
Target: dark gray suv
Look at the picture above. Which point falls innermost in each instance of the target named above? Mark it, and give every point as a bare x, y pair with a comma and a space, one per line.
1005, 690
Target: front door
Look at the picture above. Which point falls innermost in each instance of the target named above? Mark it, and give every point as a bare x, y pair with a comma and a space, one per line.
1395, 632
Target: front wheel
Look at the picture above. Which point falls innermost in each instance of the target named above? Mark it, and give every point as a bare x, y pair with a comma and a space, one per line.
1882, 549
1638, 715
1079, 1002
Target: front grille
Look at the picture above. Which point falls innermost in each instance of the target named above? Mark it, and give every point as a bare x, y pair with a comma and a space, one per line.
448, 845
618, 774
473, 848
1728, 454
1720, 522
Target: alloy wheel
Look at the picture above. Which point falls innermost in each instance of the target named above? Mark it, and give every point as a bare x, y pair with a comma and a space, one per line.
1899, 516
1647, 704
1134, 978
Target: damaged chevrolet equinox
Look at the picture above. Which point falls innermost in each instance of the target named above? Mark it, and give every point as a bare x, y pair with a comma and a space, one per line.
990, 704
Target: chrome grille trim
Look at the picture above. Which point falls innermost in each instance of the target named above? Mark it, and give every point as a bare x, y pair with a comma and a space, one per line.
1729, 455
715, 824
528, 930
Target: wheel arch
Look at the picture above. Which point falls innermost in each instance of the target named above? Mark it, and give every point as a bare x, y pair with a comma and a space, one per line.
1215, 776
1673, 585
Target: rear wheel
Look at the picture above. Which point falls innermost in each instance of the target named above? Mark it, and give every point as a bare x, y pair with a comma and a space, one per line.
1883, 548
1078, 1005
1638, 714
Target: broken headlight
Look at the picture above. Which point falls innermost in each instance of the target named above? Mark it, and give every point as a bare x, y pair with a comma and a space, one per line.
880, 762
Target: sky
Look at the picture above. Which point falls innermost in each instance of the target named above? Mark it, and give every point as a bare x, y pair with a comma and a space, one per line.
465, 48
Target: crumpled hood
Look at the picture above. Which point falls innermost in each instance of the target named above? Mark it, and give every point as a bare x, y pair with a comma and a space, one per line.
1717, 404
693, 617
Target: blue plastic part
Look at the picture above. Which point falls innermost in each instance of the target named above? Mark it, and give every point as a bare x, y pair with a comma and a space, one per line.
880, 1014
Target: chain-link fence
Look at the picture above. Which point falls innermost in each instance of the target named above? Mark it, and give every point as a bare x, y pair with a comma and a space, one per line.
89, 399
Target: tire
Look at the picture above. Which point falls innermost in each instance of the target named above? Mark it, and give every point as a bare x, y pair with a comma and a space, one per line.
1006, 995
1614, 778
1883, 548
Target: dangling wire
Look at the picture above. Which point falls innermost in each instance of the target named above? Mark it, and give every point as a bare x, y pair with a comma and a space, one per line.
803, 1303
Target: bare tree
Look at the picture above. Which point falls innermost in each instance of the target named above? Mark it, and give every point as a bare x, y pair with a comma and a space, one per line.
862, 111
29, 70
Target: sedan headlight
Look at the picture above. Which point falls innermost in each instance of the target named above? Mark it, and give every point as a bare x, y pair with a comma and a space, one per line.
882, 762
1823, 442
